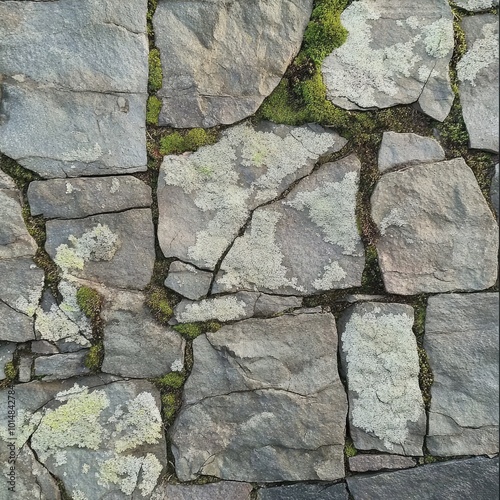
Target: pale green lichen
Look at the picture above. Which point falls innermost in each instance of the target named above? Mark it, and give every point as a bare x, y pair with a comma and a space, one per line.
393, 218
78, 495
54, 325
333, 274
225, 308
438, 38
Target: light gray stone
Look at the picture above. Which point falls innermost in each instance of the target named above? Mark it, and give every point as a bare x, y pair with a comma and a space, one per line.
206, 197
304, 492
15, 326
477, 73
271, 401
188, 281
5, 181
461, 340
367, 463
114, 249
461, 480
76, 198
495, 190
398, 150
269, 305
134, 344
6, 356
304, 244
74, 86
380, 359
221, 60
394, 54
476, 5
25, 365
43, 347
223, 490
437, 232
353, 298
61, 366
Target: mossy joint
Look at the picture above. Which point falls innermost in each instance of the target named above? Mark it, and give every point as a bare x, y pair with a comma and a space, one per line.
155, 79
94, 358
153, 110
89, 301
192, 140
193, 330
159, 304
10, 371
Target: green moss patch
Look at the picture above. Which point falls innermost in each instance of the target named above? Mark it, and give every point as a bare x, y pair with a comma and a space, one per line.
158, 302
155, 71
173, 380
189, 330
89, 301
21, 176
153, 110
93, 360
10, 371
177, 142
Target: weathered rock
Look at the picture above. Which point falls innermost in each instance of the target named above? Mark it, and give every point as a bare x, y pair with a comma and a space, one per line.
241, 372
269, 305
74, 86
24, 368
476, 5
6, 356
5, 181
134, 344
380, 358
224, 490
15, 326
437, 231
304, 244
461, 480
220, 61
394, 54
115, 249
75, 198
399, 150
188, 281
304, 492
367, 463
477, 73
495, 190
43, 347
461, 340
61, 366
205, 198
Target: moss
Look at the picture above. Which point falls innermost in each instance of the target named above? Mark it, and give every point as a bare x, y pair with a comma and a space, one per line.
172, 380
153, 110
158, 302
89, 301
371, 280
177, 143
34, 225
93, 360
10, 371
170, 405
212, 326
155, 71
52, 278
425, 377
189, 330
350, 450
21, 176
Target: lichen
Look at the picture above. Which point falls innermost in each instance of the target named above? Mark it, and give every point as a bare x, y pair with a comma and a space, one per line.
225, 308
331, 277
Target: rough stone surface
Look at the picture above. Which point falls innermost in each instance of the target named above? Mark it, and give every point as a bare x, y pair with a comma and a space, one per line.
243, 370
304, 492
461, 480
15, 326
461, 340
380, 359
75, 198
43, 347
61, 366
105, 248
307, 243
476, 5
24, 368
134, 344
398, 150
367, 463
437, 232
205, 198
394, 54
221, 60
495, 190
224, 490
6, 356
477, 73
188, 281
5, 181
74, 86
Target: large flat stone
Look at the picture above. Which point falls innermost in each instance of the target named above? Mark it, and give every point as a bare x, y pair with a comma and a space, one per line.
394, 54
461, 340
477, 73
223, 490
304, 492
221, 60
476, 5
15, 326
270, 401
61, 366
437, 232
307, 243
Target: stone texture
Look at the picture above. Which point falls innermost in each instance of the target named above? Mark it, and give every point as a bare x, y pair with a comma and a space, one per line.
437, 232
115, 249
476, 5
461, 480
495, 190
188, 281
134, 344
461, 340
367, 463
74, 86
224, 490
6, 356
61, 366
221, 60
15, 326
271, 402
304, 492
304, 244
477, 73
269, 305
394, 54
205, 198
398, 150
75, 198
5, 181
380, 359
24, 368
43, 347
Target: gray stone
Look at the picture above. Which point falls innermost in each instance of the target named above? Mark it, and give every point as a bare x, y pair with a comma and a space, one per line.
188, 281
495, 190
225, 490
105, 248
75, 198
477, 73
359, 297
461, 480
6, 356
394, 54
367, 463
25, 365
380, 359
461, 340
134, 344
43, 347
241, 373
304, 244
476, 5
15, 326
437, 232
398, 150
5, 181
74, 86
304, 492
61, 366
220, 61
269, 305
206, 197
